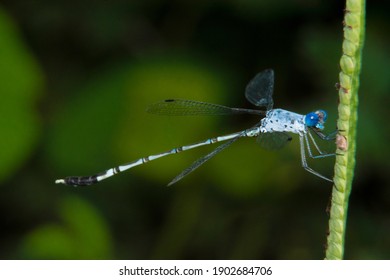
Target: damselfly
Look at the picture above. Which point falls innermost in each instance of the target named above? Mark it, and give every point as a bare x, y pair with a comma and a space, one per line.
271, 131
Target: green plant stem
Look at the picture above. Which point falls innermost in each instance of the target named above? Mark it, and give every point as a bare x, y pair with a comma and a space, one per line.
350, 63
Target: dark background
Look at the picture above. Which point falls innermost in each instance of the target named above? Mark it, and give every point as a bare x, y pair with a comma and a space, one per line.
76, 77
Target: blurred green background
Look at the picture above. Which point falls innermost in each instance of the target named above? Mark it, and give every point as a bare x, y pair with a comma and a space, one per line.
76, 78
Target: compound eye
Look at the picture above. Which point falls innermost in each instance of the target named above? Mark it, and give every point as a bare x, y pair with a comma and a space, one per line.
312, 119
323, 116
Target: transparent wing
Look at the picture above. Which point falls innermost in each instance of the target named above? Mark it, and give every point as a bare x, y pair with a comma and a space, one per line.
274, 140
182, 107
202, 160
260, 89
